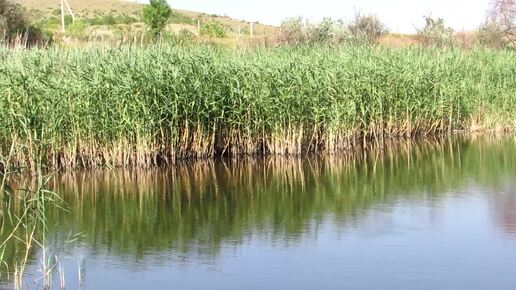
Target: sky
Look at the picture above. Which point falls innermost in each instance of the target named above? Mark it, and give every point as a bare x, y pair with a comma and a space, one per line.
403, 16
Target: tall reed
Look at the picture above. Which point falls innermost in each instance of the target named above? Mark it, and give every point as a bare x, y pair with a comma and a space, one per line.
131, 106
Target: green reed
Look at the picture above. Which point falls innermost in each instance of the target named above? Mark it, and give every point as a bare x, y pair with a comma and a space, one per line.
23, 224
146, 106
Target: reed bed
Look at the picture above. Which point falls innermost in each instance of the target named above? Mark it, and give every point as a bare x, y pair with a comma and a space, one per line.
132, 106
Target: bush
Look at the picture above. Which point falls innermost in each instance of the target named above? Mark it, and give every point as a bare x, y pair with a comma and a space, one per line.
435, 32
245, 29
499, 30
341, 32
76, 29
125, 19
108, 19
182, 37
321, 32
293, 30
186, 35
491, 34
213, 29
156, 16
366, 29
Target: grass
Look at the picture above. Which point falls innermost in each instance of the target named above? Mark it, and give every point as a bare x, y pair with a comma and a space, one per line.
89, 7
131, 106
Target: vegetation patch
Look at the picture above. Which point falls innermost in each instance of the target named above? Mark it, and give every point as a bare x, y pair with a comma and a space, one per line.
131, 106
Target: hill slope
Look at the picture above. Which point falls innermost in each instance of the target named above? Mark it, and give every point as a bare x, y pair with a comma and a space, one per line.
49, 11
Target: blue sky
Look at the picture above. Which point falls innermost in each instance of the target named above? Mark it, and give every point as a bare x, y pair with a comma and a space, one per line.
398, 15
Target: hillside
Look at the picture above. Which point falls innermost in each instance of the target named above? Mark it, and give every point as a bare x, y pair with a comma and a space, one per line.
119, 15
114, 19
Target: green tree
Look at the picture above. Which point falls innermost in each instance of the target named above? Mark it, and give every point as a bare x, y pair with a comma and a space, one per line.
15, 28
12, 20
156, 16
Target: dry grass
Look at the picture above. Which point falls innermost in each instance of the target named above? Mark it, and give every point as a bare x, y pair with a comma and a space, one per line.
85, 7
399, 40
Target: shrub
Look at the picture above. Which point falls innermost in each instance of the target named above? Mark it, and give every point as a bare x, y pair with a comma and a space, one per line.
213, 29
126, 19
435, 32
186, 34
293, 30
341, 32
491, 34
366, 29
321, 32
499, 30
183, 36
77, 29
108, 19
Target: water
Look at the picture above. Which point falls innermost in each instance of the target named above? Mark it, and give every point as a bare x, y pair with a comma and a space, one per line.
417, 215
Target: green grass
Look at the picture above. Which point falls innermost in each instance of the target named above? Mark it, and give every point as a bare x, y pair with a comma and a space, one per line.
146, 106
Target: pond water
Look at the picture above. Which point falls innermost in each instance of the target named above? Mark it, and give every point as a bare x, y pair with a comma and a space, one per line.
437, 214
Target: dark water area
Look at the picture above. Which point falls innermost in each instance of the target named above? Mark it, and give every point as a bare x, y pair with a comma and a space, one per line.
437, 214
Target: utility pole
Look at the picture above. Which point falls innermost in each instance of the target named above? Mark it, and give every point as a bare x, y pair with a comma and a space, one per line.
62, 17
199, 26
63, 4
251, 28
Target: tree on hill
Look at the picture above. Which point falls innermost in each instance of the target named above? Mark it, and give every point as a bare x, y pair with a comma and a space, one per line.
156, 16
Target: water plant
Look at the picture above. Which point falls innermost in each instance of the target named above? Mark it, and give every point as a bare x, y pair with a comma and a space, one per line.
133, 106
23, 224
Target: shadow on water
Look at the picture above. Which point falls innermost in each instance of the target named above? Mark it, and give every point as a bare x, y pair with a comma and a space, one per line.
196, 209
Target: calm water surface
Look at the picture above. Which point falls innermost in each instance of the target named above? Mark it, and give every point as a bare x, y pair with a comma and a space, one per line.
418, 215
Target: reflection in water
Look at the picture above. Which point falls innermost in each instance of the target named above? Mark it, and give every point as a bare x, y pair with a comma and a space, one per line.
504, 207
196, 211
